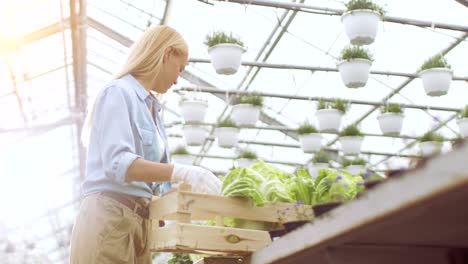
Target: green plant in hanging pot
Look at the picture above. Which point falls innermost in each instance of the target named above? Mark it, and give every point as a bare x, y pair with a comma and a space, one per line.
181, 155
391, 119
193, 109
309, 137
354, 166
320, 160
246, 158
227, 133
246, 109
329, 114
225, 51
431, 143
462, 122
351, 140
436, 75
354, 66
361, 19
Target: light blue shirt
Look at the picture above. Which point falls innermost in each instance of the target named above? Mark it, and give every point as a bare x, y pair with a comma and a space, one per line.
123, 130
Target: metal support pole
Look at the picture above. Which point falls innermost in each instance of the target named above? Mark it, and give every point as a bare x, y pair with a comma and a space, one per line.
263, 143
339, 12
318, 68
288, 129
78, 35
312, 98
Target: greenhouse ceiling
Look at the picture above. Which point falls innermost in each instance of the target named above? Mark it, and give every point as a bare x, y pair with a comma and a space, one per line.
56, 55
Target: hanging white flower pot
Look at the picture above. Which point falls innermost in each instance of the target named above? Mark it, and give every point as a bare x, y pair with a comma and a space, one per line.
329, 120
194, 135
355, 72
429, 148
313, 168
351, 144
311, 142
193, 110
355, 169
361, 26
244, 163
245, 114
391, 123
463, 126
436, 81
227, 136
183, 159
226, 58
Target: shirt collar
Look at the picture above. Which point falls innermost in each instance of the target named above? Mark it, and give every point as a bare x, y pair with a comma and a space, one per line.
142, 93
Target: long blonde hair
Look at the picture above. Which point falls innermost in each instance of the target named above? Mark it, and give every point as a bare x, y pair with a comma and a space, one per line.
144, 61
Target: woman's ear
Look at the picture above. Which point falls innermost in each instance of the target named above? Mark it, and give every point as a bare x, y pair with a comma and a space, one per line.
167, 54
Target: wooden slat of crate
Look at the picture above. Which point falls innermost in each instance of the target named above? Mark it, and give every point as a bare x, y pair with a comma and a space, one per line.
197, 238
222, 260
205, 206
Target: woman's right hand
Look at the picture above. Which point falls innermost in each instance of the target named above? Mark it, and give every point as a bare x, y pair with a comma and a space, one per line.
202, 180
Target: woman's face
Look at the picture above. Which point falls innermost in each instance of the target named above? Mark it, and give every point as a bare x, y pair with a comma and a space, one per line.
173, 65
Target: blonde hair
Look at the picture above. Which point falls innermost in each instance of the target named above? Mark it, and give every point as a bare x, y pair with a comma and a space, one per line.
144, 61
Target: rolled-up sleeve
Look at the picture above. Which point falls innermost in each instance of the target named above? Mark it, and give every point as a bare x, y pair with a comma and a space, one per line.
114, 131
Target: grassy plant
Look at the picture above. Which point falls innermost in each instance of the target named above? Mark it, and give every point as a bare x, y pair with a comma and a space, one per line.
437, 61
358, 161
351, 130
321, 157
219, 37
431, 136
252, 99
391, 108
306, 128
364, 4
464, 112
247, 155
226, 123
355, 52
180, 151
340, 105
322, 104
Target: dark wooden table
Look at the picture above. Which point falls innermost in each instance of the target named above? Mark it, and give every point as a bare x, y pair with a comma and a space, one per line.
420, 217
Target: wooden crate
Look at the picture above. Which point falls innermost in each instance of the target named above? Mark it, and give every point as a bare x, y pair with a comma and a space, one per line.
184, 236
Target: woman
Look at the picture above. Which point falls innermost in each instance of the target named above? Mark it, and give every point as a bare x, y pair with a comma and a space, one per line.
128, 155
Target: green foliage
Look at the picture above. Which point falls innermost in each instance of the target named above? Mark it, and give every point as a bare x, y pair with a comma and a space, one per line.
252, 99
336, 186
219, 37
431, 136
321, 157
464, 112
355, 52
306, 128
338, 104
437, 61
364, 4
226, 123
180, 151
351, 130
357, 161
180, 258
322, 104
247, 155
391, 108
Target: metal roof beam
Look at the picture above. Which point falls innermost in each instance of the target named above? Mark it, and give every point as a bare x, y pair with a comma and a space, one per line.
312, 98
339, 12
318, 68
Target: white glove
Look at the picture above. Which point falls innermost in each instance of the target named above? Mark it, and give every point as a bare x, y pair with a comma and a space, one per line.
202, 180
